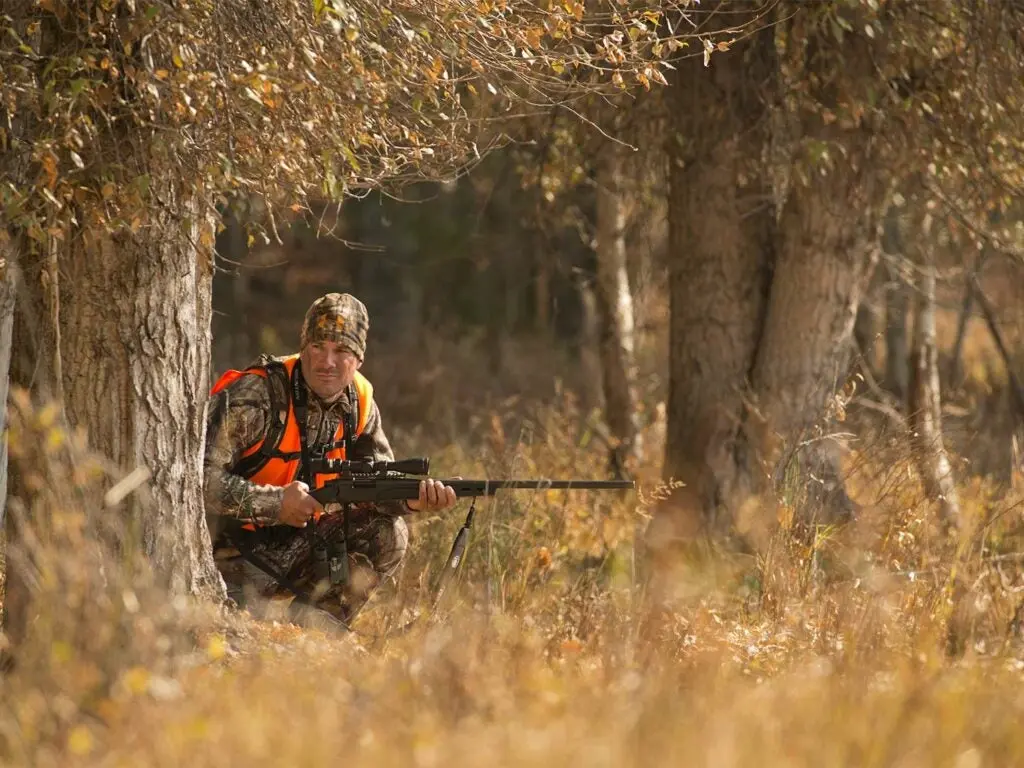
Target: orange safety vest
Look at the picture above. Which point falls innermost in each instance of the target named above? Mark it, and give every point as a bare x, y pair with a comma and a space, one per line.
278, 464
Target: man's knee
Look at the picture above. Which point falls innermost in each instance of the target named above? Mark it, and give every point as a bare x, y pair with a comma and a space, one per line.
393, 542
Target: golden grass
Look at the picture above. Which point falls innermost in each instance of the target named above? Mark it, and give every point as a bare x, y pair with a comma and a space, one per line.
877, 645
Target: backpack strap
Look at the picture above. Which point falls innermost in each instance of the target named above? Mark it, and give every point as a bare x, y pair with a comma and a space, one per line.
278, 389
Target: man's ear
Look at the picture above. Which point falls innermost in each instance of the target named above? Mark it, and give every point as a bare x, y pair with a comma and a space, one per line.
359, 363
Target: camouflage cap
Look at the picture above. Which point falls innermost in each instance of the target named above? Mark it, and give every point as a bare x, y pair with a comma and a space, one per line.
338, 317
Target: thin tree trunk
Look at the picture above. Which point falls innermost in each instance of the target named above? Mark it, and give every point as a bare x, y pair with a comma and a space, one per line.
956, 357
237, 335
26, 371
542, 292
8, 292
897, 307
615, 313
1016, 386
865, 328
590, 345
966, 309
925, 407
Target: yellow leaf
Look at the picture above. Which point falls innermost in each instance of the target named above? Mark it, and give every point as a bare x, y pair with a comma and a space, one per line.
54, 438
136, 680
60, 651
178, 62
216, 648
161, 74
80, 741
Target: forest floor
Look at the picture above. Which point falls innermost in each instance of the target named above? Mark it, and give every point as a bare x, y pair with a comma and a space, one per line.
880, 644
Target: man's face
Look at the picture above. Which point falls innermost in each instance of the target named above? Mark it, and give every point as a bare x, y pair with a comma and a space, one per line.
328, 368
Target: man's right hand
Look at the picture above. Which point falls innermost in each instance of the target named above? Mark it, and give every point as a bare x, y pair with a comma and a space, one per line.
297, 506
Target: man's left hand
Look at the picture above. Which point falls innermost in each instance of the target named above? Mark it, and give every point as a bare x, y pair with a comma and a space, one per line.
434, 496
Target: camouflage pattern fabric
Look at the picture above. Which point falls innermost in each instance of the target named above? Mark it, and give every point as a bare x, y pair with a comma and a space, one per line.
238, 417
376, 545
337, 317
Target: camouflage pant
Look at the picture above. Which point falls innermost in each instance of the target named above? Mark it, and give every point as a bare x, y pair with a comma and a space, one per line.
376, 545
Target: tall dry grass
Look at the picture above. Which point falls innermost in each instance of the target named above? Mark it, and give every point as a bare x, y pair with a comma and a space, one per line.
877, 644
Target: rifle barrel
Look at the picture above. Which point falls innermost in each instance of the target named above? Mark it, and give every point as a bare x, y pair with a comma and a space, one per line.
538, 484
362, 489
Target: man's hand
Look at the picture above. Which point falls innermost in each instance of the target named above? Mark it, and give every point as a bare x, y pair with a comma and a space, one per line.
434, 496
297, 506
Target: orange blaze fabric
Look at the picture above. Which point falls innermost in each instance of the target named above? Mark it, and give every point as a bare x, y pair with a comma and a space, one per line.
281, 471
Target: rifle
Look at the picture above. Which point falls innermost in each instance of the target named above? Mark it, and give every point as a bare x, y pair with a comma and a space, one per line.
379, 481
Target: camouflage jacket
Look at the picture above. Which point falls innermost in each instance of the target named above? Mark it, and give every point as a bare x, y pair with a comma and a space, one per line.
237, 419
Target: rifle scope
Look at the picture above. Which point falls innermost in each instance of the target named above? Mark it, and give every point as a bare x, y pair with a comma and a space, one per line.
417, 466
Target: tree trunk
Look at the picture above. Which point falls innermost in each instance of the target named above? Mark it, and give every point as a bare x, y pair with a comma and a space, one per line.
956, 371
721, 226
237, 336
137, 320
761, 326
825, 258
8, 294
34, 286
897, 306
615, 313
134, 348
925, 408
8, 290
593, 394
867, 328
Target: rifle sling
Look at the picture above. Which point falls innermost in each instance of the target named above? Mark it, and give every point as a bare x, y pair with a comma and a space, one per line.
240, 538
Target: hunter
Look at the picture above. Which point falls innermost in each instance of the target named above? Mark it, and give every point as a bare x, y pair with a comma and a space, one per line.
257, 489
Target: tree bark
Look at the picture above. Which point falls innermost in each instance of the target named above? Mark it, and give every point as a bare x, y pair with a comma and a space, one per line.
136, 346
615, 313
925, 407
721, 228
762, 309
966, 310
133, 345
825, 258
897, 306
8, 292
